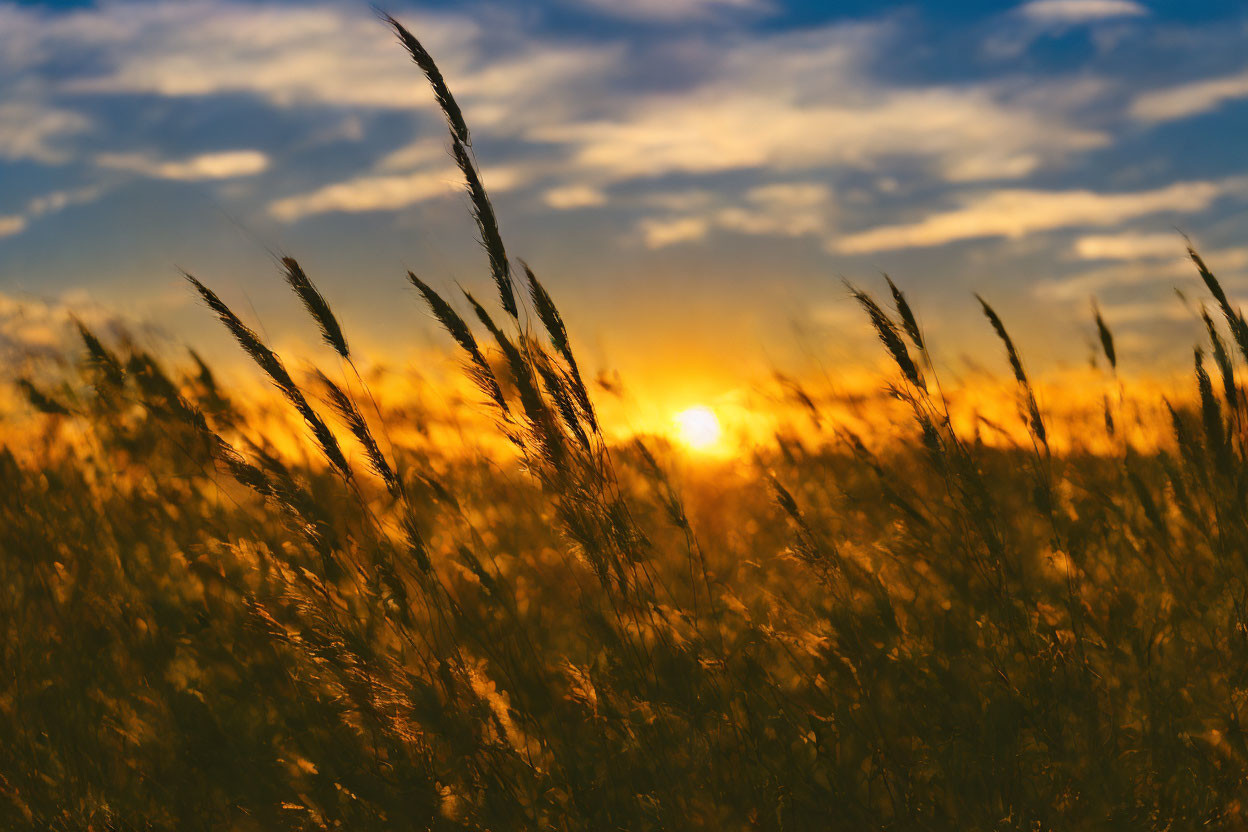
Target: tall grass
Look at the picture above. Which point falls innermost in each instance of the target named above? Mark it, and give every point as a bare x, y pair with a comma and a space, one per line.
200, 632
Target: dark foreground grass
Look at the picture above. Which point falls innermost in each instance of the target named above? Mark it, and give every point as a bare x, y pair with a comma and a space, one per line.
201, 633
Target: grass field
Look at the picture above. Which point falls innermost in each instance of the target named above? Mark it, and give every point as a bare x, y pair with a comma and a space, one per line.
203, 630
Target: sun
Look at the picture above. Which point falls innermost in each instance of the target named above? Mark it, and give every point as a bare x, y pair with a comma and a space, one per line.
698, 428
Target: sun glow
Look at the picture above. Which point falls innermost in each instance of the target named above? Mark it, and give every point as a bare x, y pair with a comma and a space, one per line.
698, 428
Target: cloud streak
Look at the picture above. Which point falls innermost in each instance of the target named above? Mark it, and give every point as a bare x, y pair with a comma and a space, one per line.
387, 192
1191, 99
1080, 11
1016, 213
770, 105
1228, 263
44, 326
807, 101
779, 209
668, 11
228, 164
41, 206
12, 224
31, 130
1129, 246
322, 55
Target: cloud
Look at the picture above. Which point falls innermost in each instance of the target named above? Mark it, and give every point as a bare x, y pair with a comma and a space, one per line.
228, 164
60, 200
660, 232
313, 55
568, 197
672, 10
1015, 213
1125, 314
12, 224
1129, 246
1079, 287
419, 154
31, 129
1227, 263
787, 210
368, 193
780, 209
1012, 34
769, 103
288, 56
808, 100
388, 192
1186, 100
46, 204
32, 326
1080, 11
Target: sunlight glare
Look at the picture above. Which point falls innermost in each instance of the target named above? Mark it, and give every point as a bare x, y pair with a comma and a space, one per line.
698, 428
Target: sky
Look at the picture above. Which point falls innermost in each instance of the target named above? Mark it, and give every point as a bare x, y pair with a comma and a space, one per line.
694, 179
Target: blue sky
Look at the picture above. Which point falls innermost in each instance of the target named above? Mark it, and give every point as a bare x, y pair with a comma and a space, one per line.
693, 177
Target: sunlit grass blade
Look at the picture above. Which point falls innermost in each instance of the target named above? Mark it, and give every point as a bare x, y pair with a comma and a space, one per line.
316, 305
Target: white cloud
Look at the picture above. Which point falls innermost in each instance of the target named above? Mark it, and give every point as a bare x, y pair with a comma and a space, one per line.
44, 325
388, 192
228, 164
12, 224
658, 232
790, 195
289, 56
1081, 286
1186, 100
786, 210
314, 55
46, 204
60, 200
781, 210
808, 100
419, 154
369, 193
1013, 34
672, 10
1129, 246
30, 130
1226, 263
568, 197
1016, 213
1080, 11
773, 103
